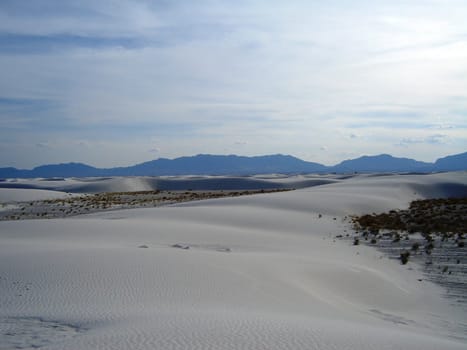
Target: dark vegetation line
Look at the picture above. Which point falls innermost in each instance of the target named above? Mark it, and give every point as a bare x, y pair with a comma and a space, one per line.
438, 216
72, 206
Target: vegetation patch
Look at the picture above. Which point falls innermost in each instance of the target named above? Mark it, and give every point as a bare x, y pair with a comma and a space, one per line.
430, 232
84, 204
445, 216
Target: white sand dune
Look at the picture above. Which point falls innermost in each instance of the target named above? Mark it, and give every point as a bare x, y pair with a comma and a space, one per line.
259, 272
31, 194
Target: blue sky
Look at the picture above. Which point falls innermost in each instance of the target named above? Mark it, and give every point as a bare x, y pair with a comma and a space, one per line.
114, 83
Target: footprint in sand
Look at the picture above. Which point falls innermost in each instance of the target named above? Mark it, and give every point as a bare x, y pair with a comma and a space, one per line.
33, 333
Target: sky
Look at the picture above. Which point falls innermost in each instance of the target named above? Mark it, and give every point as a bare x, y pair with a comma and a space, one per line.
119, 82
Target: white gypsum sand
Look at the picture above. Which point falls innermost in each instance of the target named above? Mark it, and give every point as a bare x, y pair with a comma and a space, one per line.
259, 272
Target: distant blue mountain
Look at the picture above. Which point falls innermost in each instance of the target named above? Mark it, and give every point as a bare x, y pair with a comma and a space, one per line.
452, 163
382, 163
54, 170
66, 170
12, 173
204, 164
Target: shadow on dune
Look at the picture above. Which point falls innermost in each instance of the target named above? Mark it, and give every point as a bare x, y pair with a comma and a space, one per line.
129, 184
441, 190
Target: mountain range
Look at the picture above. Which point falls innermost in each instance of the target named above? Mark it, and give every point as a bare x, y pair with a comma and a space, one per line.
205, 164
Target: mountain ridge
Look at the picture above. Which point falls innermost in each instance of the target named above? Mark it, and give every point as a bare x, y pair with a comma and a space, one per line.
207, 164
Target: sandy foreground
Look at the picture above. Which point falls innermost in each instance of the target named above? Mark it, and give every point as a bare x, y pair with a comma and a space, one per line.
252, 272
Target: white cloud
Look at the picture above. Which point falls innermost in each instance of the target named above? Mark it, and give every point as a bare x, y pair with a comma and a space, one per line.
42, 145
430, 139
286, 76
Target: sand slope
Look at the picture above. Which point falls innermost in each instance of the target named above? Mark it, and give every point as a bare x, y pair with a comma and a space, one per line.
260, 272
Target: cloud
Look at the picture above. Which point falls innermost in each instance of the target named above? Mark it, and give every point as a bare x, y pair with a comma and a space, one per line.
434, 139
19, 114
33, 44
287, 77
240, 143
42, 145
24, 104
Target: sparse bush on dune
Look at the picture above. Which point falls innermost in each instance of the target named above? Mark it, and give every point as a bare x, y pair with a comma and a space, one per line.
396, 237
405, 257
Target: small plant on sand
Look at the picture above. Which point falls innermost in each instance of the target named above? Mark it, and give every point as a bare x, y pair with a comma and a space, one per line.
429, 247
428, 237
405, 257
396, 237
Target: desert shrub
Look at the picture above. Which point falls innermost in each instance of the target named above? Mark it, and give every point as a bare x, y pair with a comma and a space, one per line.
405, 257
428, 237
429, 248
